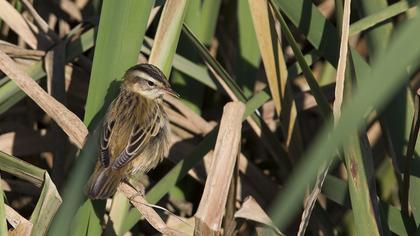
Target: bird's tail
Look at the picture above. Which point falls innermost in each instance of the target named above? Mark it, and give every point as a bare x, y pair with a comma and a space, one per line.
103, 183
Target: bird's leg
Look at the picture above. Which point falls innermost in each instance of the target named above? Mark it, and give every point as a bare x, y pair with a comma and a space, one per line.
140, 192
138, 186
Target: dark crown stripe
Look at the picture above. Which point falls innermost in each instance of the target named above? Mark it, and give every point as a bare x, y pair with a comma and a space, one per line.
152, 70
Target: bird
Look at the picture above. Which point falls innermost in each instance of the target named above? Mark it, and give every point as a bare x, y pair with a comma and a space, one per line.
135, 133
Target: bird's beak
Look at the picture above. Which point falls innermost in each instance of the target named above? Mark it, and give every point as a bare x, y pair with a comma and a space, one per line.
171, 92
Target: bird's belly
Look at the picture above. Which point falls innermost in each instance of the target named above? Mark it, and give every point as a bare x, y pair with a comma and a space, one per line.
148, 159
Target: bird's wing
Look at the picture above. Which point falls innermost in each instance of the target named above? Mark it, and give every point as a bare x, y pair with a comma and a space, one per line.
139, 138
106, 134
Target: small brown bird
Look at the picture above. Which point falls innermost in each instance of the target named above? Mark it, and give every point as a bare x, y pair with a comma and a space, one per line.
135, 135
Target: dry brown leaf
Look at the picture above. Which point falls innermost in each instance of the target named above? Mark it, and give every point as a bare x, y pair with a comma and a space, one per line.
147, 211
234, 98
342, 61
276, 72
23, 57
16, 22
305, 100
250, 210
43, 26
181, 121
81, 3
183, 224
252, 180
71, 8
22, 227
213, 201
76, 86
181, 133
270, 48
63, 29
339, 91
69, 122
172, 14
15, 51
23, 143
257, 129
152, 16
19, 186
197, 120
327, 8
52, 21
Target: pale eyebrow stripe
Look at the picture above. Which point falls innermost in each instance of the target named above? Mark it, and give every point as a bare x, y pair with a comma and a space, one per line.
144, 75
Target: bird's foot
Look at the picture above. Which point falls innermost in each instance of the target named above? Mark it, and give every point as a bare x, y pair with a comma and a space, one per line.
140, 192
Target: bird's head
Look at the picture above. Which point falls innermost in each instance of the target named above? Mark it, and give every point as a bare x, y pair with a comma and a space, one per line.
148, 81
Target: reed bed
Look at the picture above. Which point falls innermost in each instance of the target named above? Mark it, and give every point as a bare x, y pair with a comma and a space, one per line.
295, 117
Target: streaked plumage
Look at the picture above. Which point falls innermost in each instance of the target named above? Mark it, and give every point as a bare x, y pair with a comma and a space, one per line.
135, 131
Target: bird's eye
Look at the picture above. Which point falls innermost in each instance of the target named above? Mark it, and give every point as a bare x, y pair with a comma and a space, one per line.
150, 83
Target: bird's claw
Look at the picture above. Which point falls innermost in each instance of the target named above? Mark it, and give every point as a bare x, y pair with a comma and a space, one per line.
140, 192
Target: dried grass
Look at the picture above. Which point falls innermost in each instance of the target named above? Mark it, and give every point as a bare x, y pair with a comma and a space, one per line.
213, 201
68, 121
147, 210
